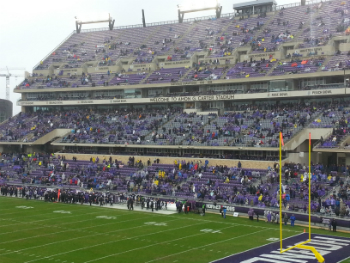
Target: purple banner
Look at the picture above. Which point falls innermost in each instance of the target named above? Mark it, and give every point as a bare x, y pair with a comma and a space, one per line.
333, 249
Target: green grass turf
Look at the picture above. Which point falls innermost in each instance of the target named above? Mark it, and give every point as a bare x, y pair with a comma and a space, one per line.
40, 235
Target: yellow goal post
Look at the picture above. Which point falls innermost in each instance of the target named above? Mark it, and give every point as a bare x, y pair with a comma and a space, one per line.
302, 244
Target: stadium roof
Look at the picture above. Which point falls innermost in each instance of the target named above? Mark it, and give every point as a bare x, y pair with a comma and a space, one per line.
254, 3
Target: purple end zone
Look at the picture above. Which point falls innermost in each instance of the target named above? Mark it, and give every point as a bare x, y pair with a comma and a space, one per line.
333, 249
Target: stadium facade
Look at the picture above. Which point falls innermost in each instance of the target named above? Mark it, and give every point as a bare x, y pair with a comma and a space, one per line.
220, 88
6, 110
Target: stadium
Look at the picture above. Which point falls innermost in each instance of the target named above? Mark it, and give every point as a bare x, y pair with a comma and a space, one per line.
221, 138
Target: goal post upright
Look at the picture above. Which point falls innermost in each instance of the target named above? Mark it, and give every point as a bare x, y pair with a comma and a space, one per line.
194, 7
280, 179
310, 186
301, 245
82, 21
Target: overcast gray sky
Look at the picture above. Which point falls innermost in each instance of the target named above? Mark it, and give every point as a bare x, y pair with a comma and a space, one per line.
29, 30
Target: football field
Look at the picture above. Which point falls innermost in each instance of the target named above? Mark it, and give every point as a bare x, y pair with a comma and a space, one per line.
35, 231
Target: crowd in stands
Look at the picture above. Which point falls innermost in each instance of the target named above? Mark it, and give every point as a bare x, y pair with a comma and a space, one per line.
195, 180
339, 121
220, 37
242, 125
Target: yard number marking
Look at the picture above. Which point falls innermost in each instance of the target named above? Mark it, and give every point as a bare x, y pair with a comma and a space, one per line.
62, 212
273, 239
24, 207
155, 224
106, 217
210, 231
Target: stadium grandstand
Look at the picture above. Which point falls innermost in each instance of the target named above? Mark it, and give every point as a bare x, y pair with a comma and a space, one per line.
192, 110
211, 87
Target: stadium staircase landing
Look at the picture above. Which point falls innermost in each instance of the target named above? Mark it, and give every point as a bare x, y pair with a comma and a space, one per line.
43, 140
303, 135
144, 80
325, 62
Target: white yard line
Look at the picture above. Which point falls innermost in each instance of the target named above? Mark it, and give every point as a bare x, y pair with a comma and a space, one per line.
94, 234
76, 208
209, 221
201, 246
31, 215
57, 225
23, 230
33, 222
52, 209
254, 248
203, 220
119, 210
116, 222
114, 241
115, 254
12, 207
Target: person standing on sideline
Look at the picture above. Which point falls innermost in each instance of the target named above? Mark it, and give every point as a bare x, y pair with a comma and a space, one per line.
292, 220
203, 209
131, 204
251, 214
152, 205
257, 217
268, 216
142, 203
90, 199
224, 211
101, 200
285, 218
334, 224
273, 217
128, 203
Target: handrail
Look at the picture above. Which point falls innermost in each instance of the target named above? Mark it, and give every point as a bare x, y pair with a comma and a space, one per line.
279, 7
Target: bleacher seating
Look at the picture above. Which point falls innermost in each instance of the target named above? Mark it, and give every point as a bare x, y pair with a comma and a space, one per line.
309, 26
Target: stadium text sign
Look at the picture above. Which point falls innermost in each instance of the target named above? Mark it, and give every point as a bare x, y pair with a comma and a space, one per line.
217, 207
333, 249
218, 97
193, 98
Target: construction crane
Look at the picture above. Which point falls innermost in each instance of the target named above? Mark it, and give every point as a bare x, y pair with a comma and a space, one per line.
8, 76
